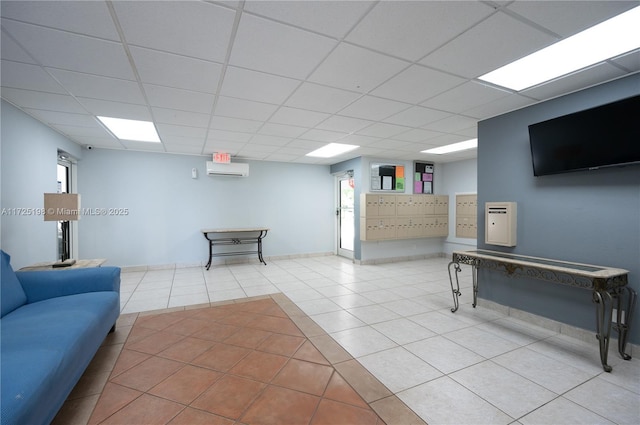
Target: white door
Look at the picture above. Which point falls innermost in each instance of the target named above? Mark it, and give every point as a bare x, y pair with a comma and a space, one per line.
346, 216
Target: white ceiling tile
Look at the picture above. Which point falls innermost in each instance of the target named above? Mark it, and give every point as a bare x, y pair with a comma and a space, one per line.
263, 139
416, 84
282, 130
73, 52
54, 118
383, 130
174, 116
344, 124
566, 18
235, 124
80, 132
333, 18
190, 28
185, 100
354, 68
466, 96
321, 98
280, 49
97, 87
228, 136
166, 69
417, 135
416, 116
240, 108
29, 77
298, 117
360, 140
12, 51
174, 140
165, 130
411, 29
452, 124
323, 135
369, 107
486, 46
258, 86
84, 17
107, 108
42, 100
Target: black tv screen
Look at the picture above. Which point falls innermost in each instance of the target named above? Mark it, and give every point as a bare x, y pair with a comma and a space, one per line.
603, 136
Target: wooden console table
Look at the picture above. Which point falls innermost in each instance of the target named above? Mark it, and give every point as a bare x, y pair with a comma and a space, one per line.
238, 236
609, 286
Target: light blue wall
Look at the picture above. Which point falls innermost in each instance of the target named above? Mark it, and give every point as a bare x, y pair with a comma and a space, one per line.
167, 208
460, 177
29, 169
587, 216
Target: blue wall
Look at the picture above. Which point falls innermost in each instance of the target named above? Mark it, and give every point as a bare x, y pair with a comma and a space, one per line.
29, 169
588, 216
167, 208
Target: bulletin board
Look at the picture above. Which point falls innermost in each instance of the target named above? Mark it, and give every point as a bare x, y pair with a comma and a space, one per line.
387, 177
423, 178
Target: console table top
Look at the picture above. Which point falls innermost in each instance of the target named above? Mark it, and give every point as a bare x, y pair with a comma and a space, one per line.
236, 230
580, 269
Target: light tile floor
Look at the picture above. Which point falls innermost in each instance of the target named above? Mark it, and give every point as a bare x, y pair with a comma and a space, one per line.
475, 366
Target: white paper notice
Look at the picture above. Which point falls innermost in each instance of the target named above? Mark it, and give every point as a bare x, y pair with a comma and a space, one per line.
386, 182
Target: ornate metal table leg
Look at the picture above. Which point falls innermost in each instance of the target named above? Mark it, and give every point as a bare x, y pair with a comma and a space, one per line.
619, 326
474, 278
260, 250
210, 252
455, 291
604, 308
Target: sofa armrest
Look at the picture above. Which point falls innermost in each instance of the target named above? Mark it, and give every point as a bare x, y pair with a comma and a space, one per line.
41, 285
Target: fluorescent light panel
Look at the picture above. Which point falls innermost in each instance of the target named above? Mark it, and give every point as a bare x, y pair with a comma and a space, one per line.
603, 41
461, 146
140, 131
332, 149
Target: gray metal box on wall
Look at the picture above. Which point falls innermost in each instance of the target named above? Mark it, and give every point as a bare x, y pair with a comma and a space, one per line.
500, 223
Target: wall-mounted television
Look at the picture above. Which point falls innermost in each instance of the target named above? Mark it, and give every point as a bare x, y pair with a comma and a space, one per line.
603, 136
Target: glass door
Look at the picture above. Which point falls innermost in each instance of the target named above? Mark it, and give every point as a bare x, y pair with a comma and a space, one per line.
64, 231
346, 216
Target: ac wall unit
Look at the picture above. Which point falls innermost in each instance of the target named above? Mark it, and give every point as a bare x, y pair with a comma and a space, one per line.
229, 169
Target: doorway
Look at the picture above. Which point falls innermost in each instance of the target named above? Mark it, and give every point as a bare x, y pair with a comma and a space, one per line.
346, 215
64, 228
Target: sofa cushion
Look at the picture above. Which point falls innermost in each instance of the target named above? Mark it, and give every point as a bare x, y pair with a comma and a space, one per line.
12, 295
46, 346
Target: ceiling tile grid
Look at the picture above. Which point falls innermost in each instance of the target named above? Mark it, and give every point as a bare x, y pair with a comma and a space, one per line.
274, 80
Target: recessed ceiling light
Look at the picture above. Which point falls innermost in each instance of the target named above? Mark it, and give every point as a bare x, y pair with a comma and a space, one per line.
140, 131
461, 146
603, 41
332, 149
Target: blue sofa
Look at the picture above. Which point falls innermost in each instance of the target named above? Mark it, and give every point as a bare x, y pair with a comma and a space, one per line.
52, 324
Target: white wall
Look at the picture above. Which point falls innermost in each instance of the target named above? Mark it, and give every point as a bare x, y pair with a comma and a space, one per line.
167, 208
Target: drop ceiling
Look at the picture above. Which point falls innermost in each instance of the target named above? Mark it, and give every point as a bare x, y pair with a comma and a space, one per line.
272, 81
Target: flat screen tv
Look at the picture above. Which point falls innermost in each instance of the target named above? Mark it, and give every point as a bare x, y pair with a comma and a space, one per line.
603, 136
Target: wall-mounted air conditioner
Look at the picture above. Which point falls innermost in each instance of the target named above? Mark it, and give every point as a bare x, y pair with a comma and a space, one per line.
229, 169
